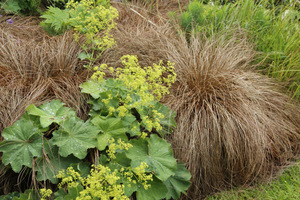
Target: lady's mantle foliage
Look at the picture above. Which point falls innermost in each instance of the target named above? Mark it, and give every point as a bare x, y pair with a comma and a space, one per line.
87, 18
125, 125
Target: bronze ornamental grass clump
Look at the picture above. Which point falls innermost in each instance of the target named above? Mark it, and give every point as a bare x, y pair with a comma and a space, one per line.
35, 68
233, 126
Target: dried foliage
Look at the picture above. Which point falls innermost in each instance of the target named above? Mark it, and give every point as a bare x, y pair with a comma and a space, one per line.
234, 128
35, 68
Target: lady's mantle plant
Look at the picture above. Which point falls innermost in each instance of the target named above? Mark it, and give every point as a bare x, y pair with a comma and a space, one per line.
124, 136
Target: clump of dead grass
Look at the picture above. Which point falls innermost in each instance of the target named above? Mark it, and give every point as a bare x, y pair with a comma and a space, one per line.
37, 70
234, 127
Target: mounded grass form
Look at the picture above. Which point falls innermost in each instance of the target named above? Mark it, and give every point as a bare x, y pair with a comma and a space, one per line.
275, 33
234, 127
285, 187
37, 69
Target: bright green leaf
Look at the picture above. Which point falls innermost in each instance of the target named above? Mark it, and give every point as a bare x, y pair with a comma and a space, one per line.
74, 137
84, 55
158, 190
102, 141
50, 112
157, 153
178, 183
109, 125
57, 19
22, 142
93, 88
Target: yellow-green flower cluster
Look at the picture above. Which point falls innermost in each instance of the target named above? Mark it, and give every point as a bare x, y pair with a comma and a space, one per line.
94, 21
102, 183
146, 79
99, 72
45, 193
142, 177
69, 177
149, 84
114, 146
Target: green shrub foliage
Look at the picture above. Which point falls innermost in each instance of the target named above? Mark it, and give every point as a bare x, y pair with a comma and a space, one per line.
28, 7
125, 127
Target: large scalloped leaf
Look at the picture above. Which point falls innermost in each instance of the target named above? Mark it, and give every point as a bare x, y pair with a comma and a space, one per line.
110, 127
74, 137
158, 190
178, 183
157, 153
22, 142
93, 88
50, 112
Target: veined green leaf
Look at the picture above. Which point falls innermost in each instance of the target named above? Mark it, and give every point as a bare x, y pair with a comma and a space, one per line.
157, 153
58, 19
93, 88
110, 127
84, 55
50, 112
158, 190
178, 183
74, 137
22, 142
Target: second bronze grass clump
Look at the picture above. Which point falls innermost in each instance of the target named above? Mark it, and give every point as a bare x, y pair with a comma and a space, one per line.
234, 127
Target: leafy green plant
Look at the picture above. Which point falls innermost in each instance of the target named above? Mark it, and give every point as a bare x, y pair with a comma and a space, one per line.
124, 135
29, 7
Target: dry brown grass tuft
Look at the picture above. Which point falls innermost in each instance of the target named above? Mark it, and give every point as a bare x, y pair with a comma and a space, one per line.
233, 126
37, 70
